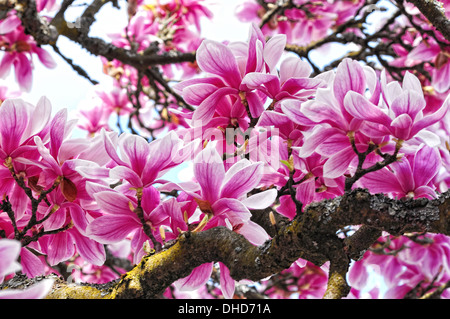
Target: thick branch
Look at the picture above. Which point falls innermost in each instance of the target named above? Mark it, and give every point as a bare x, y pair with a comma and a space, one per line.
311, 236
434, 11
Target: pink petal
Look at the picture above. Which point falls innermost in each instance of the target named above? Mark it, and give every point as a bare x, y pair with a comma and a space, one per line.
209, 172
206, 109
426, 165
381, 181
57, 128
227, 284
111, 149
261, 200
409, 102
430, 119
45, 58
294, 67
13, 122
338, 164
273, 50
323, 112
9, 24
359, 107
315, 139
232, 209
267, 83
349, 77
37, 291
253, 232
5, 64
23, 72
403, 172
59, 248
306, 191
214, 57
9, 250
292, 108
242, 181
90, 250
440, 78
32, 266
136, 149
195, 94
402, 126
150, 200
425, 191
111, 229
198, 277
255, 104
412, 83
116, 204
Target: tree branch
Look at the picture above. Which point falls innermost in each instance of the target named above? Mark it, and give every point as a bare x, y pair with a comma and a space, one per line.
435, 13
311, 236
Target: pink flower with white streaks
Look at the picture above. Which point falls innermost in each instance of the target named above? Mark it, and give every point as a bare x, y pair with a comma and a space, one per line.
121, 219
429, 50
19, 50
19, 123
411, 176
140, 163
329, 137
404, 264
225, 78
222, 195
400, 113
9, 252
293, 81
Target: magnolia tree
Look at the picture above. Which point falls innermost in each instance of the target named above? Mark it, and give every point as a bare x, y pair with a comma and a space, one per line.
310, 174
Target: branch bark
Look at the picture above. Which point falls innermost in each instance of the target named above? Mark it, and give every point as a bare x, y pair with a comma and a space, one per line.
434, 11
311, 235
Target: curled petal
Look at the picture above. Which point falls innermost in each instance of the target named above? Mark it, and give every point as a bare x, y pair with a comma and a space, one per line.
216, 58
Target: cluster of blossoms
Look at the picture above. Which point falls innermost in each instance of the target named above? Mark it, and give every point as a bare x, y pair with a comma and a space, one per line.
263, 127
303, 22
423, 44
154, 27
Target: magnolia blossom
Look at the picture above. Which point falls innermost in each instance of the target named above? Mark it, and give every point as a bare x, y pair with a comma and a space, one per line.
226, 78
19, 49
411, 176
121, 219
222, 198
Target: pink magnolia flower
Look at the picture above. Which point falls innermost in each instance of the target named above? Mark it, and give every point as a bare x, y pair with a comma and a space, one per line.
401, 111
302, 280
9, 252
329, 136
237, 60
416, 262
19, 48
222, 195
19, 123
142, 163
293, 81
429, 50
409, 177
222, 198
120, 219
115, 99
